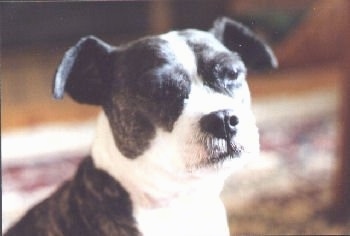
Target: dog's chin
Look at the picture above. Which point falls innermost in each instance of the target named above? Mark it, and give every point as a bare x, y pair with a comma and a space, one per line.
221, 156
221, 150
218, 151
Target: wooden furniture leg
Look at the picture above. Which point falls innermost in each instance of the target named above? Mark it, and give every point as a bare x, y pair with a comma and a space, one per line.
341, 204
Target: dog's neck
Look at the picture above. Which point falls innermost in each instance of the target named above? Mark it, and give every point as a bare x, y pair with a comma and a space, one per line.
148, 184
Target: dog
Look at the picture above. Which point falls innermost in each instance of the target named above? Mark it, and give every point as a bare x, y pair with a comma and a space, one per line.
176, 118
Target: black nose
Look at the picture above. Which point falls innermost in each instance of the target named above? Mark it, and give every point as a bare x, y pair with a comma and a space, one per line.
221, 124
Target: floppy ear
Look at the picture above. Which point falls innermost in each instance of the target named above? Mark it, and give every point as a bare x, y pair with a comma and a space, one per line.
238, 38
85, 71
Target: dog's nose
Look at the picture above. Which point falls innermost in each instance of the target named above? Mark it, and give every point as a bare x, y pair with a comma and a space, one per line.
221, 124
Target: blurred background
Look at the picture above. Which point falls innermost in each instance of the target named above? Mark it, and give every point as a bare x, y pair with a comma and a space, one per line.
299, 184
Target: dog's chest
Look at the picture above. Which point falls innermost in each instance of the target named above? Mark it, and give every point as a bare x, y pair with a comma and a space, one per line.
205, 217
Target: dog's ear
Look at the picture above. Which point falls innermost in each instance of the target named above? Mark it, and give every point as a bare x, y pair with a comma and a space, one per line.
85, 71
255, 53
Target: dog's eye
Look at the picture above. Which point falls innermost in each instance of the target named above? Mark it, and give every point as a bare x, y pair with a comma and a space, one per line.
226, 72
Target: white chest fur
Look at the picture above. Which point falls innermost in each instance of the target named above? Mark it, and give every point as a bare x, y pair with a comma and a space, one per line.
200, 216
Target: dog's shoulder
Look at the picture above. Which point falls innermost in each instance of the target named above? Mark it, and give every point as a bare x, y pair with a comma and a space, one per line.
92, 203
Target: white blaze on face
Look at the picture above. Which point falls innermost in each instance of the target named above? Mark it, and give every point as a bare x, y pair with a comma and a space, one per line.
182, 52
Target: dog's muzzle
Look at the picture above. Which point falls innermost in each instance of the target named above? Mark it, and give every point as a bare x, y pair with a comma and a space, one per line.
220, 128
221, 124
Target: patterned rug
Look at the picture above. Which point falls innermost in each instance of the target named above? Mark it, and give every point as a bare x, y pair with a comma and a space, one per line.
284, 191
288, 191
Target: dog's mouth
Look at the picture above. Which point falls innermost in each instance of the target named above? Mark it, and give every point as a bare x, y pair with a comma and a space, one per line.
219, 150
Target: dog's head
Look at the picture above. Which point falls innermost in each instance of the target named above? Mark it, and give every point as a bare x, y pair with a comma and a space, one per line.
179, 98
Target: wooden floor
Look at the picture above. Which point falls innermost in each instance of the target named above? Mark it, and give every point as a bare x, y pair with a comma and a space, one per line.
27, 77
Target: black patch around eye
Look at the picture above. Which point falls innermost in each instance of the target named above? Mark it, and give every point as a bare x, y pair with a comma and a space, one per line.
166, 83
225, 72
223, 86
161, 93
221, 72
223, 78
